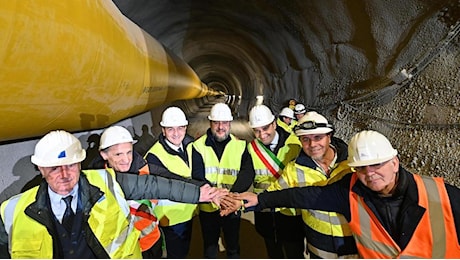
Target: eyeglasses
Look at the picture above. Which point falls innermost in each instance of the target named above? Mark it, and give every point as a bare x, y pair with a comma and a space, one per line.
310, 125
372, 167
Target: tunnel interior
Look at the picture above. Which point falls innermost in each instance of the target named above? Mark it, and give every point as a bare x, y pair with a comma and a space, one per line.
391, 66
386, 65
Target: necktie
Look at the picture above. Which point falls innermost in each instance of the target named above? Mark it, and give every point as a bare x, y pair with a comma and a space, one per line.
180, 150
67, 219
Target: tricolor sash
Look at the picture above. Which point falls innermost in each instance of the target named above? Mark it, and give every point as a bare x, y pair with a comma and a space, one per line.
273, 164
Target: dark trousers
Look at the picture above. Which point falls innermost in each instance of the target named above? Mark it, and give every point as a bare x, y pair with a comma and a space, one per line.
211, 226
284, 236
155, 252
177, 239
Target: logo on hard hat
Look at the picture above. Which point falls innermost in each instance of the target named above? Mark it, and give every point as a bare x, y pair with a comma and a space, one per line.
62, 155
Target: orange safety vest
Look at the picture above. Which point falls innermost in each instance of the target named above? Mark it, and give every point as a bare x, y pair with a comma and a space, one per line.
434, 237
145, 221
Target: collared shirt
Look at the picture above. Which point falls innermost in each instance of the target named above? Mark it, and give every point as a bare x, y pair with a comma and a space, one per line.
274, 142
331, 165
58, 205
174, 147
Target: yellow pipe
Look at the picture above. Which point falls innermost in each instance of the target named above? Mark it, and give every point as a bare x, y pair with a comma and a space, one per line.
80, 65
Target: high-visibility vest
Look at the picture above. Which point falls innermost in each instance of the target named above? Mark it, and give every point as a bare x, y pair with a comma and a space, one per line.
223, 173
115, 232
434, 237
142, 213
170, 212
289, 128
326, 225
264, 177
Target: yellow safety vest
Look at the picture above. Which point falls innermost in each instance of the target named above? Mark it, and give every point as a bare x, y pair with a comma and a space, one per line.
109, 220
223, 173
170, 212
264, 177
288, 128
327, 223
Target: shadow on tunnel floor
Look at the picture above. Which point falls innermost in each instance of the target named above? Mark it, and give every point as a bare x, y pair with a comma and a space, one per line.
251, 244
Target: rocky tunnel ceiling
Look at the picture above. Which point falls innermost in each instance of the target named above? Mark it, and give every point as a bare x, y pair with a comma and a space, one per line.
392, 66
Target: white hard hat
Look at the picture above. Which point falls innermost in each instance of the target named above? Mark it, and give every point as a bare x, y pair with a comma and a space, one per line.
313, 123
369, 147
220, 112
173, 116
58, 148
115, 135
300, 109
260, 115
287, 112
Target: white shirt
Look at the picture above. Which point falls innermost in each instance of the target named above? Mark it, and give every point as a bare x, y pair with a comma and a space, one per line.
58, 205
174, 147
274, 142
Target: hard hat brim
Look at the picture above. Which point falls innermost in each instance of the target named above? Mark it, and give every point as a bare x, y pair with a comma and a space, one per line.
221, 119
114, 143
373, 161
174, 125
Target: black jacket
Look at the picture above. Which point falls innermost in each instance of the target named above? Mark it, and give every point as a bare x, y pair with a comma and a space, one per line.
399, 214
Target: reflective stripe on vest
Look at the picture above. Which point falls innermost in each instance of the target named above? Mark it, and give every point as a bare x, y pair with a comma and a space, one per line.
144, 219
223, 173
434, 237
327, 223
323, 224
170, 212
115, 232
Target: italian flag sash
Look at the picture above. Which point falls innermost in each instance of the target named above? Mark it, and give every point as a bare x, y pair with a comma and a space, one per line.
273, 164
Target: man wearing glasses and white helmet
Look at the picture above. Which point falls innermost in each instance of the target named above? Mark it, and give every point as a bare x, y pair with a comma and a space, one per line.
392, 213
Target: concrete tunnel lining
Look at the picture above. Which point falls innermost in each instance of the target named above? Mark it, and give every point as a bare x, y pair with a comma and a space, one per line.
323, 53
